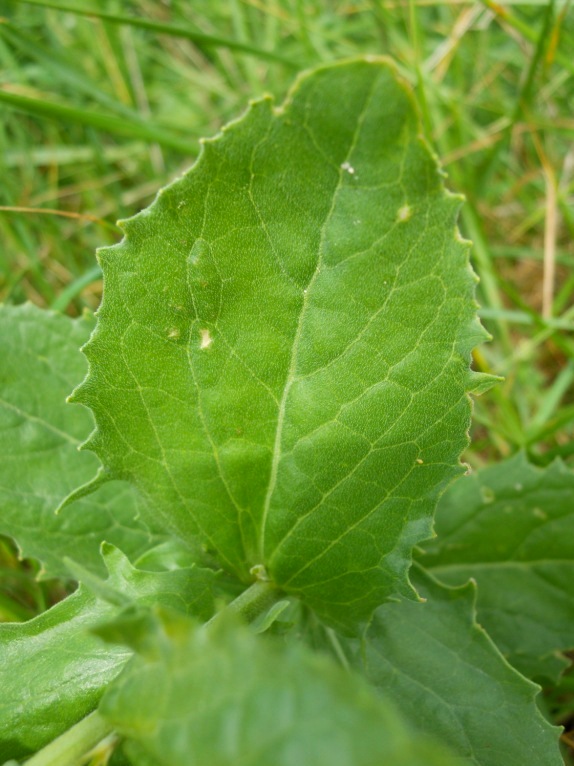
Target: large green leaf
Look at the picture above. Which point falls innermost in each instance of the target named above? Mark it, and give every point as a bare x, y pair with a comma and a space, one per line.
223, 696
446, 676
511, 528
53, 670
39, 439
281, 359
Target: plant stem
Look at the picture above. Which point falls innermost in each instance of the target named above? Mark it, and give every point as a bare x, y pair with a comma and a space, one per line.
253, 601
72, 747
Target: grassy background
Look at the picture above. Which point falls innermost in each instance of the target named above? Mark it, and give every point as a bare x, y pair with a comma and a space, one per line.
98, 113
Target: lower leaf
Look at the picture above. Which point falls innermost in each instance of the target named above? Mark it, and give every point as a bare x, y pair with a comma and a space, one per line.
52, 673
511, 528
444, 673
223, 696
53, 670
39, 438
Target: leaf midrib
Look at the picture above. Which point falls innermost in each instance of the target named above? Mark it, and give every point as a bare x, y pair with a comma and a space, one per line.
290, 379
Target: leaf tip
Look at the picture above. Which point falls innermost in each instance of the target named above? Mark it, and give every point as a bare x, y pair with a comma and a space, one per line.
481, 382
101, 477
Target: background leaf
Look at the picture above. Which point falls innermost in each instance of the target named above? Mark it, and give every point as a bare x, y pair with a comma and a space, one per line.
53, 670
258, 369
446, 676
39, 439
225, 696
511, 528
61, 673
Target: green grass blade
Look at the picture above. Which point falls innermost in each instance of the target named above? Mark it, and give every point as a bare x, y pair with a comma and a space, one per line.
210, 41
76, 287
564, 419
504, 14
63, 70
551, 398
524, 318
107, 122
522, 102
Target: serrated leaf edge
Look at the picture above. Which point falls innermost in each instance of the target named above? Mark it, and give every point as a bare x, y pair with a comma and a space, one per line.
471, 334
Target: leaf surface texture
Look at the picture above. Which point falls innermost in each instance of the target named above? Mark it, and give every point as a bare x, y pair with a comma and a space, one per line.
281, 359
39, 439
511, 528
447, 677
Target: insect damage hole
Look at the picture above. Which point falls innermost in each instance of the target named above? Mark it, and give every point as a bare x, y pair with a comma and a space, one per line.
206, 339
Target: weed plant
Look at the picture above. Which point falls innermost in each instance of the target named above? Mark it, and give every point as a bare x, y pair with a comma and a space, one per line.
103, 103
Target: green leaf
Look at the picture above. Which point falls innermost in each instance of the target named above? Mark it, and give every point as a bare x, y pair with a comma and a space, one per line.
446, 676
53, 670
511, 528
282, 355
39, 439
223, 696
52, 673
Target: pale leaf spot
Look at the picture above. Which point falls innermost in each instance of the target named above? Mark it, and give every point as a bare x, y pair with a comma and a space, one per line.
206, 339
404, 213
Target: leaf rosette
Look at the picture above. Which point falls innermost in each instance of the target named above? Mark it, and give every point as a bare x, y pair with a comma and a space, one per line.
281, 360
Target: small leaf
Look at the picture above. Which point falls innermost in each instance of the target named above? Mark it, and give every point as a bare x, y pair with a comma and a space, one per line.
39, 439
446, 676
224, 696
188, 590
53, 670
511, 528
52, 673
281, 361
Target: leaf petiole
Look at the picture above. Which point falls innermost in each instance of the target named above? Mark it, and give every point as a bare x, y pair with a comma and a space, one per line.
259, 597
74, 746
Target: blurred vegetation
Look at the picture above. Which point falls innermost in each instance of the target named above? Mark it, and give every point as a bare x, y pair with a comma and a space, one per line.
104, 103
